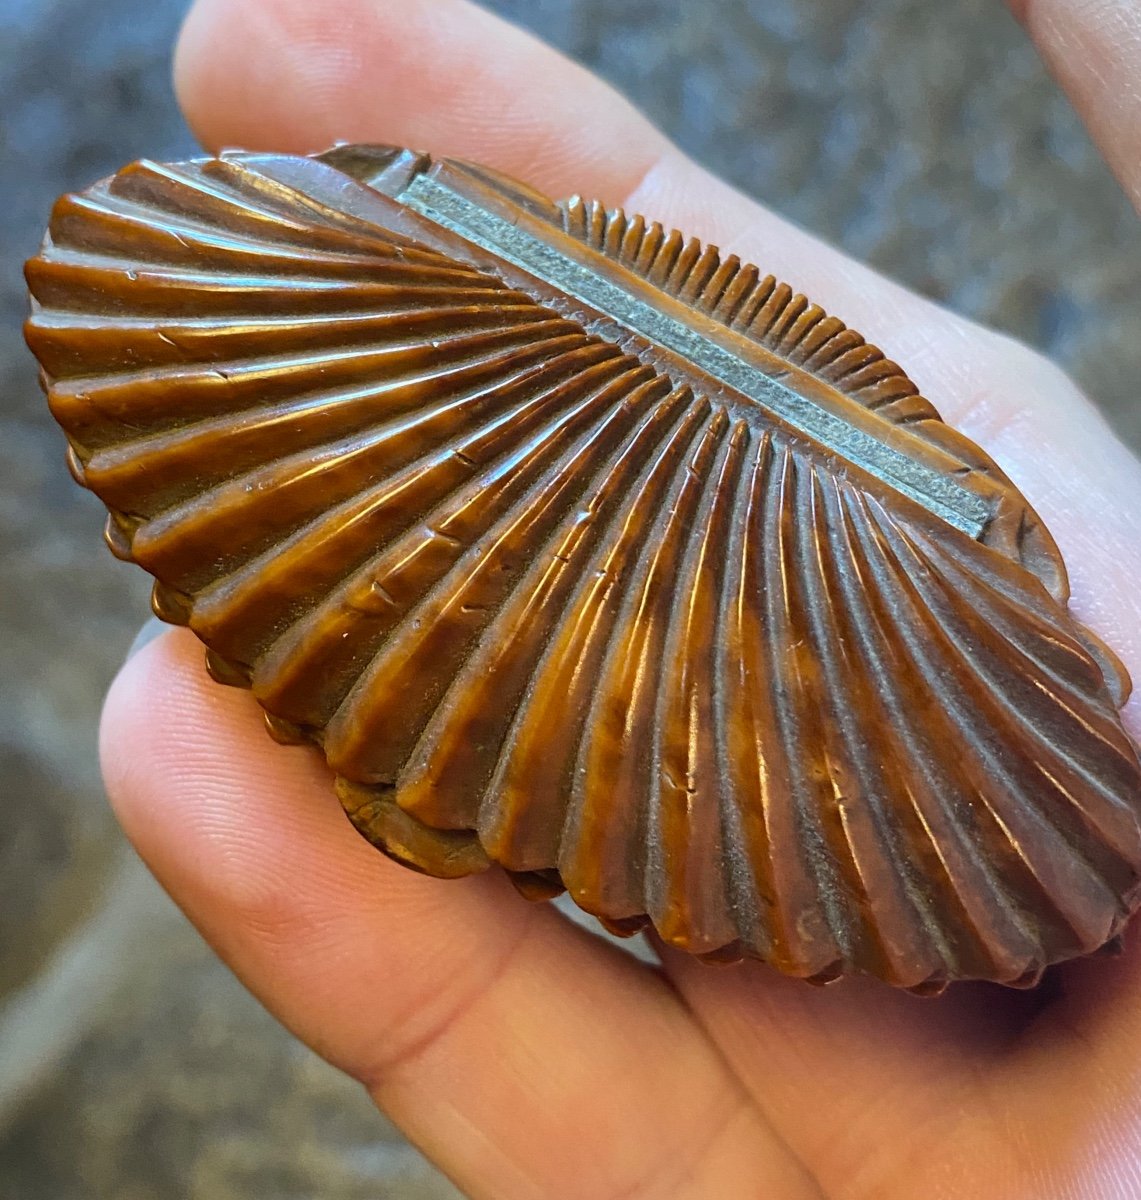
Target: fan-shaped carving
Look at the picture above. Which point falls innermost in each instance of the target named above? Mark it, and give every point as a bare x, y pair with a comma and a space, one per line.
582, 551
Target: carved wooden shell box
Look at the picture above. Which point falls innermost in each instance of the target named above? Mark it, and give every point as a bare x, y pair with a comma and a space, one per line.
579, 549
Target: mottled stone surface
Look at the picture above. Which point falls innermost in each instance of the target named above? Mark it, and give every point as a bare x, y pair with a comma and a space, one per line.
923, 137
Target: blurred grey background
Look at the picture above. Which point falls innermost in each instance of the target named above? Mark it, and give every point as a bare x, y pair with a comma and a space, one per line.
923, 136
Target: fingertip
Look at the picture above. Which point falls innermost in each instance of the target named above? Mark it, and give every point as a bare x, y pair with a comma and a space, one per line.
224, 817
187, 63
124, 717
238, 75
194, 69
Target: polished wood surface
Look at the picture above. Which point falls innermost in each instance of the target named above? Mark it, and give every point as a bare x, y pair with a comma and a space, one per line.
581, 550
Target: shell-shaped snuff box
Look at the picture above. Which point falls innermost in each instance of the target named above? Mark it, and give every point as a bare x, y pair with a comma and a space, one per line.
579, 549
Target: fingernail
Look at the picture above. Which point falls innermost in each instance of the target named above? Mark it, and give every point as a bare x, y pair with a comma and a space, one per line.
147, 634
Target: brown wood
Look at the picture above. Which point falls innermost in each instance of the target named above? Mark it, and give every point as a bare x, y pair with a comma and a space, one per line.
580, 550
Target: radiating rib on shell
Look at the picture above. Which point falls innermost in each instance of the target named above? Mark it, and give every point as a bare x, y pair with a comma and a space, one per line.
547, 600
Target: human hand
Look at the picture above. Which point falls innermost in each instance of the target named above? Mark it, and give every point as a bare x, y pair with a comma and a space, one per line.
527, 1058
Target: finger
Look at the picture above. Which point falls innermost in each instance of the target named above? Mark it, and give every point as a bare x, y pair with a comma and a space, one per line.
440, 75
1093, 49
499, 1036
854, 1074
980, 1092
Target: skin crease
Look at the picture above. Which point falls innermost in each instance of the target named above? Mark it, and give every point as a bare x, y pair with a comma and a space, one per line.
524, 1057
